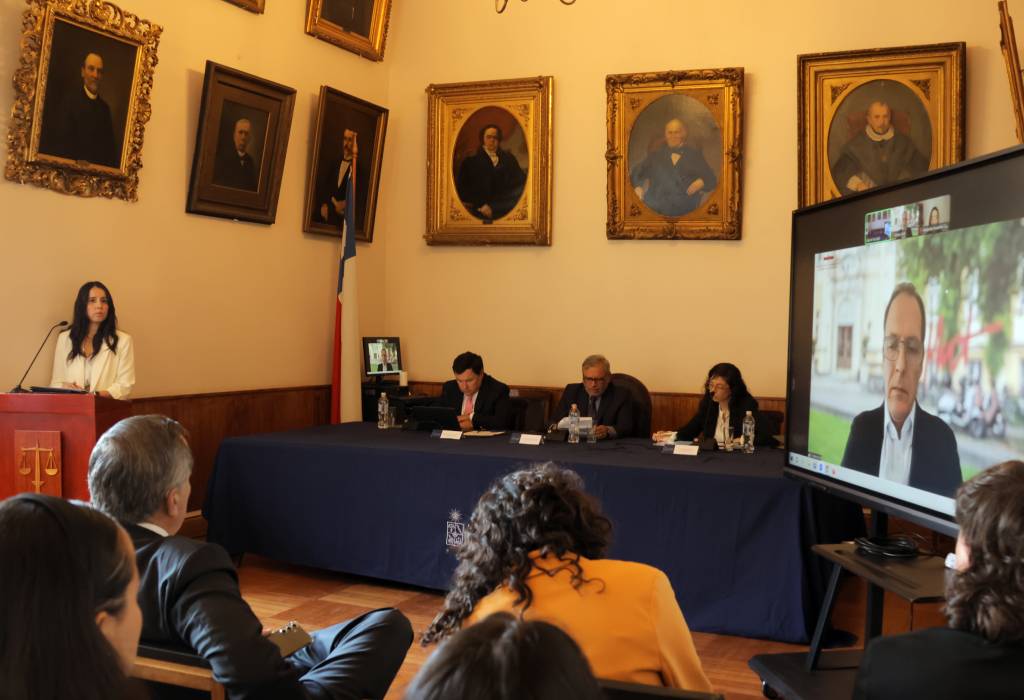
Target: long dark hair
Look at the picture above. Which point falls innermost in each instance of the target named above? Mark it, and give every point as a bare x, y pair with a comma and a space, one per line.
62, 564
503, 658
988, 597
541, 508
107, 332
732, 376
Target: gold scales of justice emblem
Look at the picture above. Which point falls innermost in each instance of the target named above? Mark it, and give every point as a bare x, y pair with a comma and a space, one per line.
32, 460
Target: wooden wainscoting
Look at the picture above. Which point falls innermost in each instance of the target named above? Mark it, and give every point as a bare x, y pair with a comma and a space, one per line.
209, 418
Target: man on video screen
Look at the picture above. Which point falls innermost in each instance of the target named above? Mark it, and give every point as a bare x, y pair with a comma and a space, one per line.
899, 440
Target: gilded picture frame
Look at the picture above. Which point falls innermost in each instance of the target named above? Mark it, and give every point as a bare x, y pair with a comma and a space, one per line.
256, 6
675, 154
874, 117
348, 131
82, 98
1008, 44
359, 26
489, 162
241, 143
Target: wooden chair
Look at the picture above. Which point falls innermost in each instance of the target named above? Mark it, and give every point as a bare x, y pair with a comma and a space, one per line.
619, 690
182, 669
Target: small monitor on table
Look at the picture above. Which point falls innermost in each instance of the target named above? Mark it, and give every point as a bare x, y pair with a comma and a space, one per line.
382, 356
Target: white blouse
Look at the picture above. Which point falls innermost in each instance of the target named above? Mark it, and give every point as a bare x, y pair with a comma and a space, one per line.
113, 372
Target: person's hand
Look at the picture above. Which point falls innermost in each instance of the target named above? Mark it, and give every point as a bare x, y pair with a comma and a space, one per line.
339, 206
859, 184
695, 186
324, 214
466, 422
486, 211
601, 431
72, 385
105, 394
639, 192
662, 435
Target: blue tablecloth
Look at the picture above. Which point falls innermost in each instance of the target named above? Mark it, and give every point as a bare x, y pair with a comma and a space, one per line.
725, 528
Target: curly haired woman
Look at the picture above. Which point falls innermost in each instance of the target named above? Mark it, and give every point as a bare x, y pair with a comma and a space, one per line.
534, 547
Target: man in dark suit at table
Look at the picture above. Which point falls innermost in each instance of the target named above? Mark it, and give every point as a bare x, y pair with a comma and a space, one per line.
597, 397
899, 440
480, 400
188, 590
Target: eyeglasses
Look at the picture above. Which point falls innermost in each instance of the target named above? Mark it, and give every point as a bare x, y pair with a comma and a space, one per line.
595, 380
911, 346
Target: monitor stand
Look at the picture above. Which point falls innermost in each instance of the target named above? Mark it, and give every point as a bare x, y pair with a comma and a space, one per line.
814, 674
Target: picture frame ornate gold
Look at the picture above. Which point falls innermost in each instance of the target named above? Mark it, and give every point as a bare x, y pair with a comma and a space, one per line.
931, 76
1008, 44
255, 6
640, 107
456, 113
370, 45
102, 23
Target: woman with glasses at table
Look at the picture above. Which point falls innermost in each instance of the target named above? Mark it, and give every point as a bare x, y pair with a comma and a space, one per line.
726, 401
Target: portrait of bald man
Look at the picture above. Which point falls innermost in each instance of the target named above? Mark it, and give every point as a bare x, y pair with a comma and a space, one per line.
235, 165
673, 179
879, 154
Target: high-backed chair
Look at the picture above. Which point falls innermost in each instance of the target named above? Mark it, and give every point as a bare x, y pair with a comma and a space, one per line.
618, 690
179, 668
641, 402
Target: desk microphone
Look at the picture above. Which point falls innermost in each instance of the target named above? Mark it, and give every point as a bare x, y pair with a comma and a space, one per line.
18, 389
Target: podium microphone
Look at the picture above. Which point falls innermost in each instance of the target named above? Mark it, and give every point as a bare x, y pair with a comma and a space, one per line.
18, 389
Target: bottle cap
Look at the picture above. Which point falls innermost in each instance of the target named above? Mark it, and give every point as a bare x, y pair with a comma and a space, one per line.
748, 413
384, 395
574, 406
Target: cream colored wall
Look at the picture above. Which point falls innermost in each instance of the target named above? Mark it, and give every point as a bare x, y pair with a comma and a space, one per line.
218, 305
664, 311
213, 304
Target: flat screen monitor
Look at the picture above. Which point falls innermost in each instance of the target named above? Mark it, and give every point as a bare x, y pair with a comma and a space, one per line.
906, 338
382, 356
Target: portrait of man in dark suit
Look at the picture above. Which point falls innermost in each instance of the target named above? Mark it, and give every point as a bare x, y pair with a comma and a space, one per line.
235, 166
490, 181
899, 440
351, 15
89, 83
332, 189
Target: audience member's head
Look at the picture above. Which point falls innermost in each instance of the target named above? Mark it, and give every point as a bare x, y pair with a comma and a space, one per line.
543, 509
69, 617
986, 595
139, 472
503, 658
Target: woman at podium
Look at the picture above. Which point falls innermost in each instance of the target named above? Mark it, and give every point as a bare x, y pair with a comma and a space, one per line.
93, 355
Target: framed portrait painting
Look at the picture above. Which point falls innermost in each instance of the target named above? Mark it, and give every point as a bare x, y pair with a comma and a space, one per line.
81, 98
241, 141
360, 26
875, 117
489, 162
348, 143
674, 154
1008, 44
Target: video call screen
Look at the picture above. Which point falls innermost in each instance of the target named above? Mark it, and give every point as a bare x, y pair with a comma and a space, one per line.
905, 406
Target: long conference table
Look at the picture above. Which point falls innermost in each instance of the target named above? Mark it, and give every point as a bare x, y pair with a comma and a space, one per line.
727, 528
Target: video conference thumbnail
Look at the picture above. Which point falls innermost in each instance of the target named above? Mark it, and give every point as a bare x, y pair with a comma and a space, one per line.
907, 220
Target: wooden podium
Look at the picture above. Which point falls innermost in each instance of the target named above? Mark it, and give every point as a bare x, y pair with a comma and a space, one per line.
46, 440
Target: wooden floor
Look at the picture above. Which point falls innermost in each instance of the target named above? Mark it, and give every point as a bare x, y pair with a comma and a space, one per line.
279, 593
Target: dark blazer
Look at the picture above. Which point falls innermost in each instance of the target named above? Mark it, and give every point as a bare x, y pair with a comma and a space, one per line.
230, 170
328, 187
482, 182
705, 420
669, 182
188, 592
492, 410
615, 411
940, 664
934, 461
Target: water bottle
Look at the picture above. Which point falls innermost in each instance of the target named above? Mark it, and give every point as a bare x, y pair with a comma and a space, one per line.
748, 432
383, 411
574, 424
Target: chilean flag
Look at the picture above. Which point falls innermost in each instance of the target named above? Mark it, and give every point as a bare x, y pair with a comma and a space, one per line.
345, 366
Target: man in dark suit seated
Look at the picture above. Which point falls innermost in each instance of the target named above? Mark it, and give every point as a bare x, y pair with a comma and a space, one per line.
610, 406
188, 590
480, 400
899, 440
